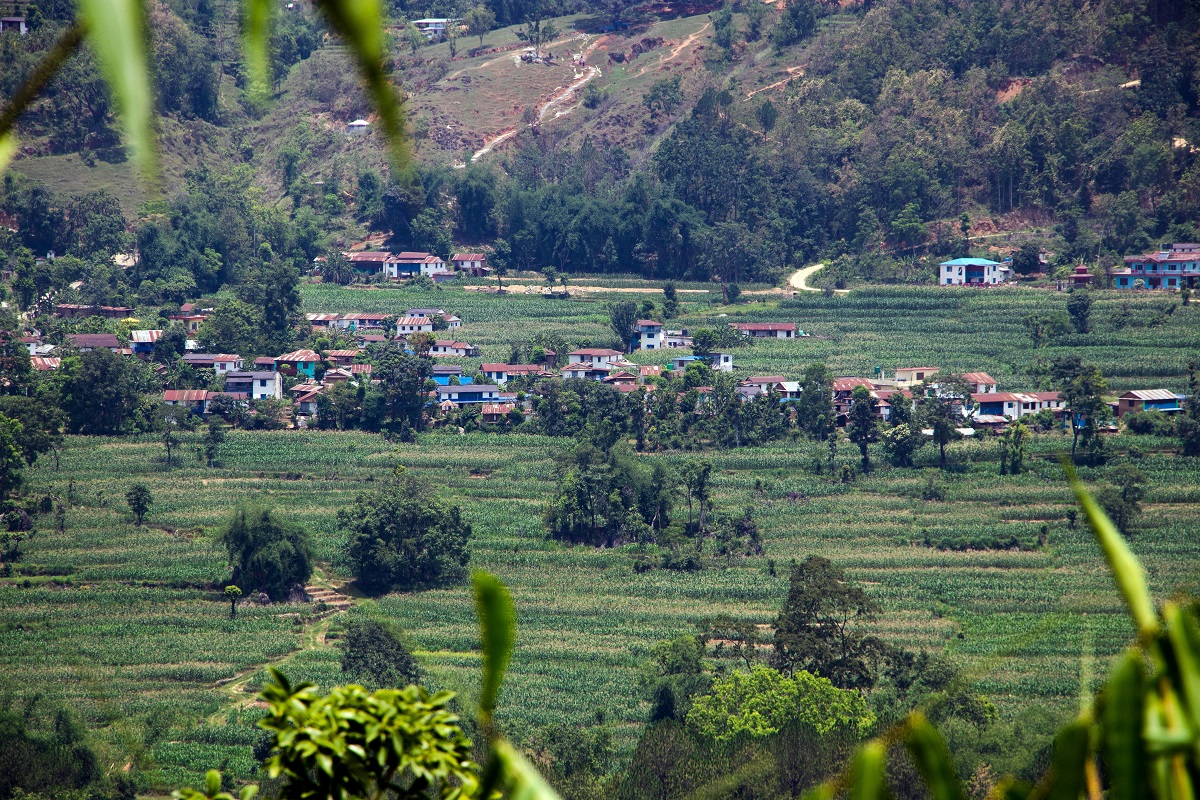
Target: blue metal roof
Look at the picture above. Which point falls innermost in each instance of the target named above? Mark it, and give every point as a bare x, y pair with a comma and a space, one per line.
970, 262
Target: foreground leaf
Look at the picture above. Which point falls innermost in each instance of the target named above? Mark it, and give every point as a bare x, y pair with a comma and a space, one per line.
1125, 759
497, 624
933, 759
117, 35
8, 149
256, 41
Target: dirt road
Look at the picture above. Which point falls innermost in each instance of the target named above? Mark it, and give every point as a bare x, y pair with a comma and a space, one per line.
799, 279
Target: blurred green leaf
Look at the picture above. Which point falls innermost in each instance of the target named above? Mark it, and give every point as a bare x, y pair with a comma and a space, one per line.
8, 149
1185, 643
117, 35
933, 759
1127, 570
1124, 761
256, 41
870, 773
1070, 755
360, 24
521, 778
497, 623
212, 782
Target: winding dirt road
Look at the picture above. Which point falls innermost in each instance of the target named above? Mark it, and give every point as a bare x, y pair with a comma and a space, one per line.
799, 279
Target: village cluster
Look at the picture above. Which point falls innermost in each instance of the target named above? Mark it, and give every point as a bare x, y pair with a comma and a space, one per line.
303, 376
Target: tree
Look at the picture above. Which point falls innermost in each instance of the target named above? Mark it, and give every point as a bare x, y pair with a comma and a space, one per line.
1012, 449
863, 426
705, 342
623, 318
373, 654
1082, 388
1122, 501
765, 113
403, 379
12, 463
402, 538
697, 476
901, 442
139, 500
1079, 307
670, 302
337, 269
232, 593
939, 415
99, 391
664, 96
1027, 260
537, 32
479, 20
170, 442
814, 407
758, 703
266, 553
1187, 424
819, 629
213, 437
1044, 327
798, 21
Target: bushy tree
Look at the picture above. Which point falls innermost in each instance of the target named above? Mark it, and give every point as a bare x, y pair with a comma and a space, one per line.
266, 553
1079, 307
139, 500
402, 538
863, 427
373, 654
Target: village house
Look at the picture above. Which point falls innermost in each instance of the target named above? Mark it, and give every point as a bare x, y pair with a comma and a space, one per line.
197, 399
766, 330
1172, 267
761, 383
908, 377
371, 262
45, 363
973, 272
451, 321
442, 373
676, 339
364, 340
649, 335
359, 321
1015, 405
341, 358
443, 348
1148, 400
219, 363
980, 382
719, 362
85, 342
298, 362
141, 342
258, 385
469, 393
588, 370
500, 373
307, 402
843, 395
474, 264
336, 375
320, 322
407, 325
410, 263
493, 413
190, 322
593, 355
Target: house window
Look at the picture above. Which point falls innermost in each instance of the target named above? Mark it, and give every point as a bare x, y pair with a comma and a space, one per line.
263, 383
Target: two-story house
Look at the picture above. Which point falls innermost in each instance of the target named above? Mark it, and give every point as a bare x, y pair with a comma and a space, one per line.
257, 385
650, 335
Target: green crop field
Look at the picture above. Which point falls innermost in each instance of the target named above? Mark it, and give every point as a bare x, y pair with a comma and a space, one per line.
123, 622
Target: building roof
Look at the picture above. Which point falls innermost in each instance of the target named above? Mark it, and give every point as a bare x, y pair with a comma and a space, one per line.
360, 369
414, 321
764, 326
94, 339
300, 355
144, 336
595, 351
322, 317
970, 262
621, 377
211, 357
467, 257
848, 384
412, 256
264, 361
356, 315
918, 369
764, 380
649, 323
425, 312
650, 370
448, 369
342, 353
452, 344
185, 395
44, 363
497, 408
249, 376
379, 256
371, 337
1150, 394
469, 388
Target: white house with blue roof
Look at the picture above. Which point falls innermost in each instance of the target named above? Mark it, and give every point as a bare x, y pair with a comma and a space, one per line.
972, 272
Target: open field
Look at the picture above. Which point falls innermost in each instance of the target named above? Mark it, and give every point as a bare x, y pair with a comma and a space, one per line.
124, 623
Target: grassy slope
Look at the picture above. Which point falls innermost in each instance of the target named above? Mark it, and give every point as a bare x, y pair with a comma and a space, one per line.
127, 636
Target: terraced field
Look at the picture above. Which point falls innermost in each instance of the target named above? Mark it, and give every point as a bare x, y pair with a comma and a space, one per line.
123, 622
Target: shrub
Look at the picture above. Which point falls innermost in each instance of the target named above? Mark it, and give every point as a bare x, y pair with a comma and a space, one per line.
266, 553
402, 537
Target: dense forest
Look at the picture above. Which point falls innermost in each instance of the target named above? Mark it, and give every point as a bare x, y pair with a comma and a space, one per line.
912, 125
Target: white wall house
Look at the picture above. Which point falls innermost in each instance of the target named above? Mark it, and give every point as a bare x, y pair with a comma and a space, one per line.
259, 385
972, 272
650, 335
593, 355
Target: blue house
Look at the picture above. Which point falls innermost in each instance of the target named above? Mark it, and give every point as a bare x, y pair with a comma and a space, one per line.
973, 271
469, 393
1148, 400
443, 373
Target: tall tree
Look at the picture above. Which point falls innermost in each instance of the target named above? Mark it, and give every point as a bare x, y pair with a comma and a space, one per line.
266, 553
623, 317
863, 426
479, 20
1082, 388
821, 628
1079, 307
139, 500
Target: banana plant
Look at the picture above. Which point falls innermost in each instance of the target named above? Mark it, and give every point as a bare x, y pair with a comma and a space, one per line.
116, 32
1139, 738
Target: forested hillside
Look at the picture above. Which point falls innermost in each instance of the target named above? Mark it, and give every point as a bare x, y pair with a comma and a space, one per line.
875, 135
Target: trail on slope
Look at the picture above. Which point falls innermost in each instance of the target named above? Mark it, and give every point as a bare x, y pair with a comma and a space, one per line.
793, 73
679, 48
799, 279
